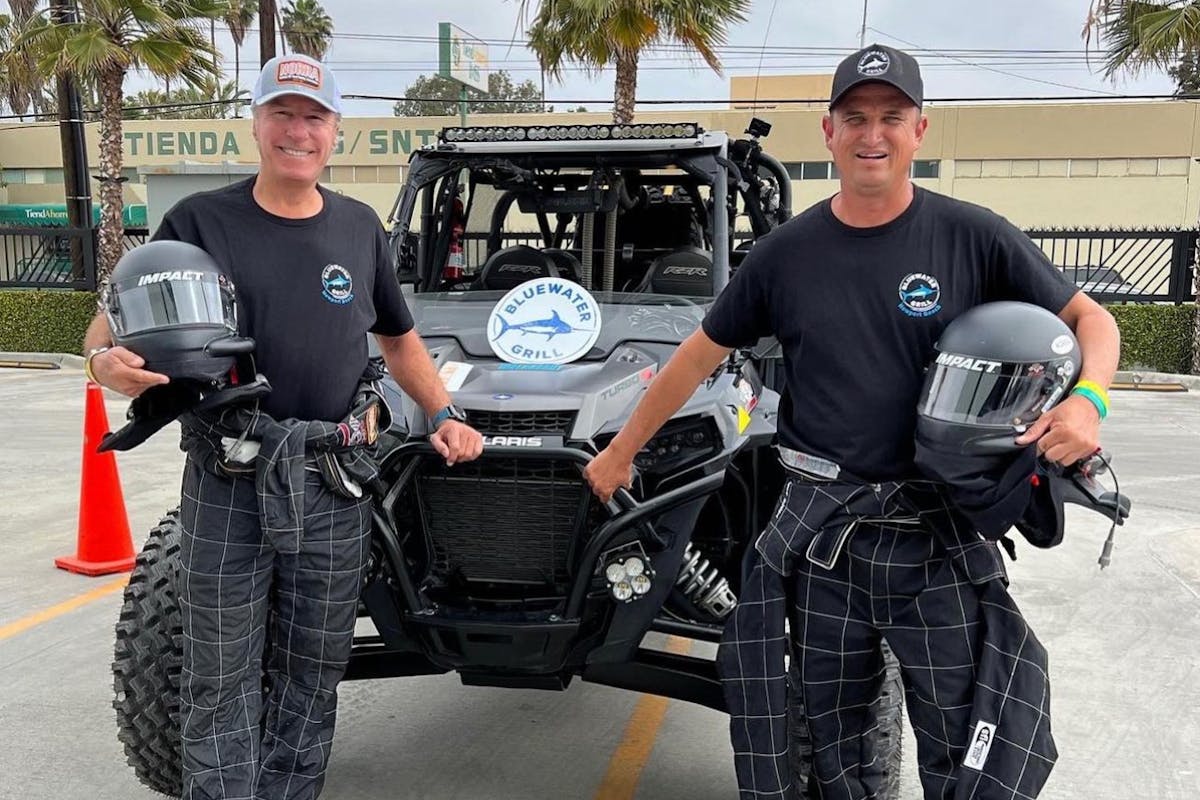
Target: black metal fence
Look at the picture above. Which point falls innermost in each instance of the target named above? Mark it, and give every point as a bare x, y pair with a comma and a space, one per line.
53, 258
1131, 266
1139, 266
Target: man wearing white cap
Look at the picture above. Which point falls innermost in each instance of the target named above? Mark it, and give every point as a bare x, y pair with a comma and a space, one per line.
313, 275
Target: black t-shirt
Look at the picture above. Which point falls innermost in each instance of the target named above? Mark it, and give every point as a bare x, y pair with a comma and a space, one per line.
309, 291
858, 310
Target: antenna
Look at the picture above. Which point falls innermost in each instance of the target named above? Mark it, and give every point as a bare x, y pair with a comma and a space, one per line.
762, 51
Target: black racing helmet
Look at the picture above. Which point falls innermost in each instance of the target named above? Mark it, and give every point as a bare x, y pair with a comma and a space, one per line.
172, 304
998, 368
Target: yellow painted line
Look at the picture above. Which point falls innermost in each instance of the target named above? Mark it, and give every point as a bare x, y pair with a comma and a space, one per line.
629, 759
65, 607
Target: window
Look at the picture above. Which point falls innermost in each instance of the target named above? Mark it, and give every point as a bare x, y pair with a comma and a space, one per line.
811, 170
925, 169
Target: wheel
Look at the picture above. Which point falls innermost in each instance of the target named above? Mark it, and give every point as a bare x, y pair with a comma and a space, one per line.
882, 775
147, 660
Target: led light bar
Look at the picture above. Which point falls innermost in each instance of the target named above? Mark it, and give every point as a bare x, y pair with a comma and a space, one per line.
569, 133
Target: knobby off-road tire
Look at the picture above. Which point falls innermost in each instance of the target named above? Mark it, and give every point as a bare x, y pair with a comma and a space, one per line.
884, 772
147, 662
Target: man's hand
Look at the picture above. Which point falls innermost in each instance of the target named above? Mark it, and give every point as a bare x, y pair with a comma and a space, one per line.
1066, 433
121, 370
607, 472
456, 442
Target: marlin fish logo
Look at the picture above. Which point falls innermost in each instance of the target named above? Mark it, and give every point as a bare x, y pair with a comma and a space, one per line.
920, 293
339, 282
550, 327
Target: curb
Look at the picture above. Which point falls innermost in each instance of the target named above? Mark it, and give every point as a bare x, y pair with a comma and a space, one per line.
55, 359
1191, 382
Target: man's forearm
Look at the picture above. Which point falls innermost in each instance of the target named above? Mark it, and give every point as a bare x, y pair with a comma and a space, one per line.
98, 333
410, 365
1100, 342
694, 361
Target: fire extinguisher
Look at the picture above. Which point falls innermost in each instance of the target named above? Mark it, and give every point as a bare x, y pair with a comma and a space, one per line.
455, 261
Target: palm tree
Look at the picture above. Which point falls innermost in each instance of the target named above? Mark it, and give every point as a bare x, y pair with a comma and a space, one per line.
109, 38
596, 33
1136, 35
238, 20
211, 101
18, 73
307, 28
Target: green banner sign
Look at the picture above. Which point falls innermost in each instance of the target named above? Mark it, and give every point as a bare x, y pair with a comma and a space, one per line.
49, 215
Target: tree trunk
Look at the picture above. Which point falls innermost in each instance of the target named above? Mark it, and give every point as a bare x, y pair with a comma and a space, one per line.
112, 231
237, 84
625, 91
266, 31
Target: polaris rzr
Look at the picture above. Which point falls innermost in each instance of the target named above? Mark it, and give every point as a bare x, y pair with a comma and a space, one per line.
553, 271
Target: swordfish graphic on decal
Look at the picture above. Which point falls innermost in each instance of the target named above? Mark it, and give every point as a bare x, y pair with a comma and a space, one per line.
550, 327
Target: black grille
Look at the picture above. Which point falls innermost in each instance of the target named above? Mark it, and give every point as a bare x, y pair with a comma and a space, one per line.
521, 422
503, 519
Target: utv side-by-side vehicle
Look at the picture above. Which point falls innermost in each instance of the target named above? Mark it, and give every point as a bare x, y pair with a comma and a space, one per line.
507, 570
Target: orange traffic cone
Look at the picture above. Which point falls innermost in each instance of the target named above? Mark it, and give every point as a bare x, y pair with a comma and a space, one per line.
104, 544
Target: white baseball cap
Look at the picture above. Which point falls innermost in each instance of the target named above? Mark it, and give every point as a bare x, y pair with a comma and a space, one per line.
299, 75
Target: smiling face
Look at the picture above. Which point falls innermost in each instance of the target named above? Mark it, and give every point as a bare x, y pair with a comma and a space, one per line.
295, 137
873, 134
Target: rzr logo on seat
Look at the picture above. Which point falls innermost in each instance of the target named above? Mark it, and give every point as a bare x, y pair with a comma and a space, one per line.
512, 441
531, 269
966, 362
695, 272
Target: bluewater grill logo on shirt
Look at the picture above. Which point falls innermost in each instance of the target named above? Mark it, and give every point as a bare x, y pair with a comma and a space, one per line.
337, 285
920, 295
544, 321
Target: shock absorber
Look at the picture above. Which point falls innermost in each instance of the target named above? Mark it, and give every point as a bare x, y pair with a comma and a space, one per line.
703, 585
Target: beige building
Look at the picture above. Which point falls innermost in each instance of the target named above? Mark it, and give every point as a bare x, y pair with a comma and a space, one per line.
1105, 164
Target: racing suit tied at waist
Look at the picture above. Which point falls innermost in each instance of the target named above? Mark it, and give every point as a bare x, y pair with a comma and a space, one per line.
239, 440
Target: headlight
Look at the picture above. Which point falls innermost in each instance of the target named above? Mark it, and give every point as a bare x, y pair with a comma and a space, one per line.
679, 444
628, 573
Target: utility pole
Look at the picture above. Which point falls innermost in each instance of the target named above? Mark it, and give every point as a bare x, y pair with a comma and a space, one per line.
72, 139
862, 32
266, 31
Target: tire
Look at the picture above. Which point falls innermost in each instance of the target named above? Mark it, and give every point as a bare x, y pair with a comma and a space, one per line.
147, 661
883, 774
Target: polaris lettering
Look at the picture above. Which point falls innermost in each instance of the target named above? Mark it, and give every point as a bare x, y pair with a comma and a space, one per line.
966, 362
512, 441
177, 275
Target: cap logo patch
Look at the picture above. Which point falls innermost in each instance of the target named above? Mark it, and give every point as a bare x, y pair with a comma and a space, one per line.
299, 72
874, 62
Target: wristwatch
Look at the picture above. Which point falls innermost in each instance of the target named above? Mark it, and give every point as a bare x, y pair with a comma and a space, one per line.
87, 361
449, 412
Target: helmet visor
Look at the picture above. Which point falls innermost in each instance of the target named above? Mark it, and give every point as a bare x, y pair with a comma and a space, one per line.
979, 392
179, 298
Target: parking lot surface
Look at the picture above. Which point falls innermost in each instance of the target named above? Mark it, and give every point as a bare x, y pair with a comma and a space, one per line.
1124, 647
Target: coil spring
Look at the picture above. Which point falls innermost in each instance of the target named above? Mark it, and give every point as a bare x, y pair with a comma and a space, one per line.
703, 585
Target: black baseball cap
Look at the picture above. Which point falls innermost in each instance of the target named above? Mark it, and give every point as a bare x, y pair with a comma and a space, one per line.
878, 63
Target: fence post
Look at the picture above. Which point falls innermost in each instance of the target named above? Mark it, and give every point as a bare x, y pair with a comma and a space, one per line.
1183, 260
88, 238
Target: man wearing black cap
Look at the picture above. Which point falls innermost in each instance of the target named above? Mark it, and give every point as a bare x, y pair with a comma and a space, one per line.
860, 550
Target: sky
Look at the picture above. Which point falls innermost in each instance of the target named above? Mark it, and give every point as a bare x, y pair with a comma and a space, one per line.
381, 46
